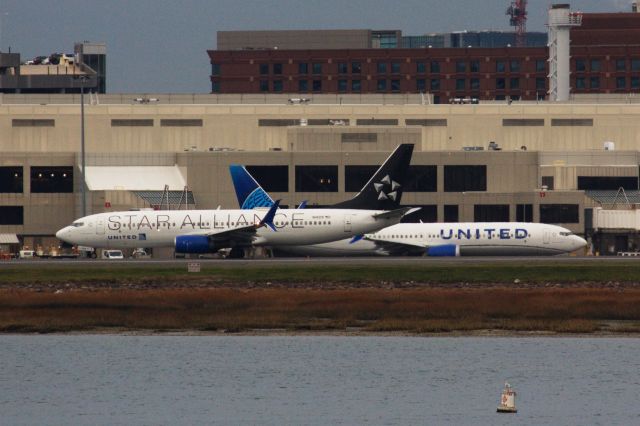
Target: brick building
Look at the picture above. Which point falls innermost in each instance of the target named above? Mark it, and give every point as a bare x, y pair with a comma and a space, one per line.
605, 58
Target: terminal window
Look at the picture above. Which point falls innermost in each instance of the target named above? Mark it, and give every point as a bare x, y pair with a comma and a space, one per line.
422, 179
426, 214
355, 177
435, 67
356, 67
316, 178
621, 65
11, 180
303, 68
559, 213
524, 213
491, 213
607, 182
51, 179
451, 213
342, 68
271, 178
421, 67
11, 215
465, 178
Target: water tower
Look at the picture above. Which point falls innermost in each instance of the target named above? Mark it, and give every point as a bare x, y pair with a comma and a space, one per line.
561, 20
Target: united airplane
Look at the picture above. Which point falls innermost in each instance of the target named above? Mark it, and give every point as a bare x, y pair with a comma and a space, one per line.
208, 231
430, 239
452, 239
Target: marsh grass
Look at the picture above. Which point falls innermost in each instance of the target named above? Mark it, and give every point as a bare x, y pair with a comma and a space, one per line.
377, 310
242, 272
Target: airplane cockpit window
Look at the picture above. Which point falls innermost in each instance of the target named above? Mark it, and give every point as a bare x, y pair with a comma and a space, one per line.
566, 234
77, 224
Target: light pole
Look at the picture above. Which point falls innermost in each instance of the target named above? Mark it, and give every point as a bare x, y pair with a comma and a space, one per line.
82, 79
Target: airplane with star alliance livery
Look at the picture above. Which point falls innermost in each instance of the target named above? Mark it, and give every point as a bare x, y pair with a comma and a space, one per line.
208, 231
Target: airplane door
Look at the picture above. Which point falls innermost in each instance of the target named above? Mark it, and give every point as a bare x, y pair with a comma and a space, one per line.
347, 222
100, 226
546, 236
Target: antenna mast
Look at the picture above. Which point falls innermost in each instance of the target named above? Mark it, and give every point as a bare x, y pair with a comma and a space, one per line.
517, 13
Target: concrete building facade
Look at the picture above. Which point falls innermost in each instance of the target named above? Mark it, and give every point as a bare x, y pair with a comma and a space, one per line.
529, 162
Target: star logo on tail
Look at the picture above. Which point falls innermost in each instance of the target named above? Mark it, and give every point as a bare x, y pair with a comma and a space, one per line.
387, 188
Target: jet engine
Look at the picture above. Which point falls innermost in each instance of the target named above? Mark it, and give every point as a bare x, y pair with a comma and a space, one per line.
452, 250
195, 244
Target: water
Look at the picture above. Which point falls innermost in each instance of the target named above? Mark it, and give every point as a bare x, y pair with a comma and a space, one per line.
59, 380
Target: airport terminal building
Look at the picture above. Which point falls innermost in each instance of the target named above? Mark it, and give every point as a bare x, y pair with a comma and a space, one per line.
542, 162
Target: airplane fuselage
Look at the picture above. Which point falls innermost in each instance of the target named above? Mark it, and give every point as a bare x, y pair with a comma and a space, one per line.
160, 228
464, 239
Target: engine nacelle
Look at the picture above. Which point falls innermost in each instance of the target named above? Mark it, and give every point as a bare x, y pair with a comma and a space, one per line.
452, 250
195, 244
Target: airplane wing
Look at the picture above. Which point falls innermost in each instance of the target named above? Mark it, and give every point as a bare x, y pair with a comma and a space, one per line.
397, 249
396, 213
246, 234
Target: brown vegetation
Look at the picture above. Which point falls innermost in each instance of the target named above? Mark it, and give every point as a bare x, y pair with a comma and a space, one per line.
416, 310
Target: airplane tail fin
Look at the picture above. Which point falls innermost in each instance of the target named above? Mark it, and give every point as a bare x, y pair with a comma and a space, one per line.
384, 189
250, 194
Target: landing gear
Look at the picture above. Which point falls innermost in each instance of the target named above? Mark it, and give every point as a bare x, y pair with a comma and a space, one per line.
236, 253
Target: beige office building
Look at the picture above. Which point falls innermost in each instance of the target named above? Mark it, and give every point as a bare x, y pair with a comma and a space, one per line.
549, 162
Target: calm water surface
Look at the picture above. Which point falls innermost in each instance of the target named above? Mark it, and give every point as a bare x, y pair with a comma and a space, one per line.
59, 380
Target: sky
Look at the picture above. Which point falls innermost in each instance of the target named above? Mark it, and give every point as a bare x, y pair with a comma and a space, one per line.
160, 46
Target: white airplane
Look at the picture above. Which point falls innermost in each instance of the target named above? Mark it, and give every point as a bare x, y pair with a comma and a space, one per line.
452, 239
207, 231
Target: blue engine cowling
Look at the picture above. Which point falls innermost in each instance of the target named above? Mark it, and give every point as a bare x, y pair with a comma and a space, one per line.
195, 244
444, 250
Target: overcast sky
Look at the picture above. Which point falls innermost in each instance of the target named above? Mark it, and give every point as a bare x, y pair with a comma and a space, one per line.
160, 45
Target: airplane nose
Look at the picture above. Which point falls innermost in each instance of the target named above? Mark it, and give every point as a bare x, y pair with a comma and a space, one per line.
579, 242
61, 233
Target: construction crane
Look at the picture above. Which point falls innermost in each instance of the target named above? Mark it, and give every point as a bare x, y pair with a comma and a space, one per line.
517, 13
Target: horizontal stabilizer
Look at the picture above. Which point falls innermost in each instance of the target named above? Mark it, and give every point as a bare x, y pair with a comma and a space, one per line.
356, 238
396, 213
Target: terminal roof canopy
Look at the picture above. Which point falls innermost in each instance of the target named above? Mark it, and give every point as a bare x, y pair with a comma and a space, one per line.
138, 178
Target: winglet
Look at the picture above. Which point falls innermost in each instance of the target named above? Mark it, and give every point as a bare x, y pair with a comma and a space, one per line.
356, 238
303, 204
268, 218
